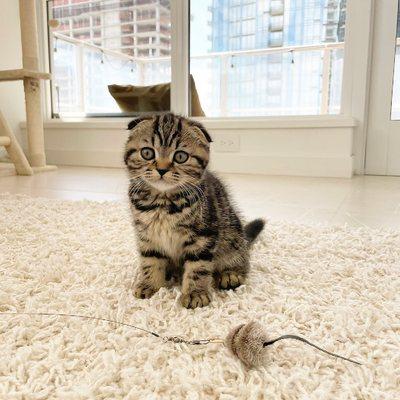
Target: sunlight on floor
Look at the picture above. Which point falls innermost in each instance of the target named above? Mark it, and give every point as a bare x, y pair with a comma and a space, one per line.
362, 201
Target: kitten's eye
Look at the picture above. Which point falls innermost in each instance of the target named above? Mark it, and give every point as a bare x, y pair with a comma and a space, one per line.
181, 156
147, 153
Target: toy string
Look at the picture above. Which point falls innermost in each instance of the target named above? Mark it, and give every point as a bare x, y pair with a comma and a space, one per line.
310, 344
174, 339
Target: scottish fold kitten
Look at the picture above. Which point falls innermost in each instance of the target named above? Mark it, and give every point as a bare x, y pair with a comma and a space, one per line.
185, 223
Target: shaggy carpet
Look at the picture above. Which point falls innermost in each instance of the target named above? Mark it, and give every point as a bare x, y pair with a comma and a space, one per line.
336, 286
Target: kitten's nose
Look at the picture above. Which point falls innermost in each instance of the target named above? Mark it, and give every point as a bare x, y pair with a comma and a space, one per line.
162, 171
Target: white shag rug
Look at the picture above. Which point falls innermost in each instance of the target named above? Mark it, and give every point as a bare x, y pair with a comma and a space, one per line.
336, 286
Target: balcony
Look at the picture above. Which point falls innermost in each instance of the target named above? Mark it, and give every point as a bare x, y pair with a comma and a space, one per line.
276, 7
81, 86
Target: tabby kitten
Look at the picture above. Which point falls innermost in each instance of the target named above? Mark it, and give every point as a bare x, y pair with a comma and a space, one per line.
185, 224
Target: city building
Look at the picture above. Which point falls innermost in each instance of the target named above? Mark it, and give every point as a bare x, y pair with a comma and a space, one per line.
275, 83
140, 28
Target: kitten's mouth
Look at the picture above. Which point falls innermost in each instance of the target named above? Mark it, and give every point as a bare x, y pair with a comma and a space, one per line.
161, 185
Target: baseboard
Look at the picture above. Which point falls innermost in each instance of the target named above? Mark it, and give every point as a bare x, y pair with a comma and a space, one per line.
339, 167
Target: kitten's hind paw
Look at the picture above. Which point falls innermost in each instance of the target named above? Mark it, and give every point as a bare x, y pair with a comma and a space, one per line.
195, 299
144, 290
230, 280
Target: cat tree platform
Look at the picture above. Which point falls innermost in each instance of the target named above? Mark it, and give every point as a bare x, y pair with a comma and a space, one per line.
31, 77
20, 74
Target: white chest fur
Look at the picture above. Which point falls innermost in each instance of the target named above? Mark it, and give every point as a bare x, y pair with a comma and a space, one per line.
161, 230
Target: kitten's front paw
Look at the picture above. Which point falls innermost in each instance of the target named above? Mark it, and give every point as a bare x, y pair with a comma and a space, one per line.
144, 290
195, 299
230, 280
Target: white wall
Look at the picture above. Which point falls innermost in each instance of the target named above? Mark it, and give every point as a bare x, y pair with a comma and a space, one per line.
11, 93
306, 146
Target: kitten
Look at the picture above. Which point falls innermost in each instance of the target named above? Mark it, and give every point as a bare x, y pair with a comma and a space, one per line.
185, 223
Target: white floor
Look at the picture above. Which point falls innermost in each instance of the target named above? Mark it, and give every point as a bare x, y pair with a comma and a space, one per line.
362, 201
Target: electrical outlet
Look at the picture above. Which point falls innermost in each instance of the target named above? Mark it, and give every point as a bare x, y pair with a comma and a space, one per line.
226, 142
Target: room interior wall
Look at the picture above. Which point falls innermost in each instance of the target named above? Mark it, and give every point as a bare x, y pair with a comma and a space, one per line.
304, 146
12, 102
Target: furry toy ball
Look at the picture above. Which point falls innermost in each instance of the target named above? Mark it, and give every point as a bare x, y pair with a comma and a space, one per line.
248, 342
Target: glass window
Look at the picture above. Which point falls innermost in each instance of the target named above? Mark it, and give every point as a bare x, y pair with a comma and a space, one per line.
243, 65
99, 43
249, 10
234, 28
248, 42
248, 27
234, 13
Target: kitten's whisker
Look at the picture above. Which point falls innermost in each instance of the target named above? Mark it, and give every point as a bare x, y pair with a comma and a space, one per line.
134, 185
198, 194
197, 189
183, 189
190, 190
135, 188
136, 176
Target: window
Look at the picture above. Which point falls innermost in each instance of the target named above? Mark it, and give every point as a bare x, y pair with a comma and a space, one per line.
146, 28
97, 43
247, 57
249, 10
145, 14
275, 38
248, 27
255, 61
234, 13
248, 42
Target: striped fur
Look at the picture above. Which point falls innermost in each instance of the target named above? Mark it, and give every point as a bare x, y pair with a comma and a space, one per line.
185, 223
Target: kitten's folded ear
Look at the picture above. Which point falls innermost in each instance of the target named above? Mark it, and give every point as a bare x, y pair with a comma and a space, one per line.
137, 121
202, 129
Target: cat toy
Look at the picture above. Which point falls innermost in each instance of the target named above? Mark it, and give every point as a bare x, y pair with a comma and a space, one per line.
247, 341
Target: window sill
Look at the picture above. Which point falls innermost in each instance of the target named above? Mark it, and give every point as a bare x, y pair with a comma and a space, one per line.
298, 122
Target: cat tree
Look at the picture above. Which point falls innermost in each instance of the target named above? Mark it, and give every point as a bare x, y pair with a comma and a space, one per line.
31, 77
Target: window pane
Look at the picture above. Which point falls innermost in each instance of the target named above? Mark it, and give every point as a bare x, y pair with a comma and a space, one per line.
396, 78
96, 43
267, 57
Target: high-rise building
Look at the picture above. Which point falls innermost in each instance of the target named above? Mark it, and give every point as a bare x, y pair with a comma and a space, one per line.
246, 25
134, 27
275, 83
342, 20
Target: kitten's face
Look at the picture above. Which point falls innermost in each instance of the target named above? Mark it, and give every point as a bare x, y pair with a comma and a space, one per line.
168, 152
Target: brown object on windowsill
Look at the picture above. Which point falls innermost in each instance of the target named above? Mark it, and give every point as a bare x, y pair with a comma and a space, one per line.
151, 98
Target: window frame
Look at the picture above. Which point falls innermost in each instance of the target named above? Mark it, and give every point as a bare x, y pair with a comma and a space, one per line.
357, 40
180, 56
353, 114
180, 20
180, 62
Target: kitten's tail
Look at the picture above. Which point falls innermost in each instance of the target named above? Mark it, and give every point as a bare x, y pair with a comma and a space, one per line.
253, 229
